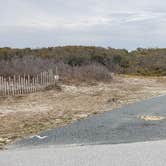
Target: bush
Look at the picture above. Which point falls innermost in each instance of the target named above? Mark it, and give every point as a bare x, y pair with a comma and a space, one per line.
86, 73
31, 61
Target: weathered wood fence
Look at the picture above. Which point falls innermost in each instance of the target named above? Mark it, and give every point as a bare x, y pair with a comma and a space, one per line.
20, 85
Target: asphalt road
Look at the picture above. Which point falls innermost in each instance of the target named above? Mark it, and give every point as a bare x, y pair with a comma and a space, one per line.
115, 127
135, 154
102, 138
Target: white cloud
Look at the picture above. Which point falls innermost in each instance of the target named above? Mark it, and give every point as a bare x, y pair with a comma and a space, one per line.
90, 21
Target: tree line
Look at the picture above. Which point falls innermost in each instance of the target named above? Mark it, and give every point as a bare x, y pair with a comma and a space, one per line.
141, 61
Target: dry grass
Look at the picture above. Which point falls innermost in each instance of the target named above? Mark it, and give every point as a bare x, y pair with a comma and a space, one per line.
31, 114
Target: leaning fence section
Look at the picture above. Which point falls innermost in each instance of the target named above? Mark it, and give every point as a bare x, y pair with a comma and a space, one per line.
20, 85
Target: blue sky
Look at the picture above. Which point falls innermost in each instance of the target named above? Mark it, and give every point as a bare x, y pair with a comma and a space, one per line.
116, 23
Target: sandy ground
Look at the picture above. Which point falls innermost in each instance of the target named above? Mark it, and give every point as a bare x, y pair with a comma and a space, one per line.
27, 115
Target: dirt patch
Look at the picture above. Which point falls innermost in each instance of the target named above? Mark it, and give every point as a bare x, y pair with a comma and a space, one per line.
31, 114
151, 118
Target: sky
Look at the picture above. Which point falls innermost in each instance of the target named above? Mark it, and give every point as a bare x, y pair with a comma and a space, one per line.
108, 23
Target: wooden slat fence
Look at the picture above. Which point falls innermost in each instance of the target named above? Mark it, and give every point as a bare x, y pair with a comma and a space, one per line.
20, 85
